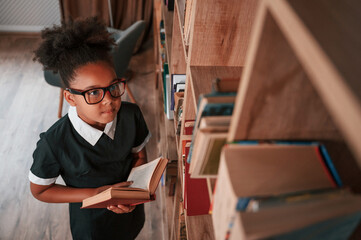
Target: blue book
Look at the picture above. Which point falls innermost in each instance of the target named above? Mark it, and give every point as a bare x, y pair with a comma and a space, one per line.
339, 228
330, 165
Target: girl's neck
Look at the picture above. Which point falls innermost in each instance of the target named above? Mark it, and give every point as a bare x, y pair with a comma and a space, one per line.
99, 126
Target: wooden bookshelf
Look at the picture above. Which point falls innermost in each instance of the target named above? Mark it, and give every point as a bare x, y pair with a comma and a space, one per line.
218, 40
298, 64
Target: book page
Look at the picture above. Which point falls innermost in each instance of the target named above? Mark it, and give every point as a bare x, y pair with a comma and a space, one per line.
141, 175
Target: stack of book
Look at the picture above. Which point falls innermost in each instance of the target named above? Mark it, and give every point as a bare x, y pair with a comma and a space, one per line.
201, 154
211, 129
281, 190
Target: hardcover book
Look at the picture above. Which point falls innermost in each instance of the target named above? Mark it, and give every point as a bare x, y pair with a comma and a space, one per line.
145, 182
211, 137
273, 189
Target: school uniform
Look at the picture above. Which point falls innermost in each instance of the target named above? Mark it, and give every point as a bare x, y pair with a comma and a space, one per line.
88, 158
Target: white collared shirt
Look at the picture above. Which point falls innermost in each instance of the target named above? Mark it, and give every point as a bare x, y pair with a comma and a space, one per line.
89, 133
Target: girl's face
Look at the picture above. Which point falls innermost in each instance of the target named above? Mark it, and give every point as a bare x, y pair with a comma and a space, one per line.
94, 75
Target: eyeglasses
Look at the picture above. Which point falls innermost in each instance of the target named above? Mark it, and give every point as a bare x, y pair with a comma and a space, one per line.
96, 95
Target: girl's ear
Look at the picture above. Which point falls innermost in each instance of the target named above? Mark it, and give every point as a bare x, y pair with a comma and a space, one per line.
69, 98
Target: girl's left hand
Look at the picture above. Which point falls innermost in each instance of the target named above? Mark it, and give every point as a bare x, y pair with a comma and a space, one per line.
119, 209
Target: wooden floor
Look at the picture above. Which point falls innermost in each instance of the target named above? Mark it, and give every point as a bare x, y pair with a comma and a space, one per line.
28, 106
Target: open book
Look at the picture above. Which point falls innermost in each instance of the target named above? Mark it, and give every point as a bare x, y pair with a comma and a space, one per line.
145, 182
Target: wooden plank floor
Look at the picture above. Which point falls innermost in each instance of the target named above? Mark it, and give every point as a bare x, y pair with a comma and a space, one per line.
28, 106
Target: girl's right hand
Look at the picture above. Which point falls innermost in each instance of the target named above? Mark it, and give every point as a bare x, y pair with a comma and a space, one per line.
119, 209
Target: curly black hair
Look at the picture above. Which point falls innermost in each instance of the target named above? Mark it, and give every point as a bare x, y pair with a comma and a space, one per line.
74, 44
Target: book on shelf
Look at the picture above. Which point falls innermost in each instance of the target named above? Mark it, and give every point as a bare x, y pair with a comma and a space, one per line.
267, 190
195, 191
165, 75
188, 127
215, 121
178, 100
334, 228
178, 111
178, 84
145, 179
169, 111
167, 91
206, 151
213, 104
211, 137
179, 87
334, 218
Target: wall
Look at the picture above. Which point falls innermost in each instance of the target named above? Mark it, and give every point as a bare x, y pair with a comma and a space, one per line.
28, 15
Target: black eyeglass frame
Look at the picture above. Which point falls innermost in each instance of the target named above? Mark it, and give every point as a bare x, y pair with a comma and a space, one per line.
105, 89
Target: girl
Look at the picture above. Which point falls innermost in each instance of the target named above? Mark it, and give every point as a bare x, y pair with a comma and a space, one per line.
97, 143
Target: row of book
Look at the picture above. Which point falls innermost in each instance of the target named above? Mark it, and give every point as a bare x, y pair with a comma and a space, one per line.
269, 189
201, 154
211, 128
281, 190
172, 83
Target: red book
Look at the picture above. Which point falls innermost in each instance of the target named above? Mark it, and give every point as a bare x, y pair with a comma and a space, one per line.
196, 197
188, 127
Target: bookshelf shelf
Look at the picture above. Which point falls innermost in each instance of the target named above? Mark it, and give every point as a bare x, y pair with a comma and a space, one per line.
178, 31
199, 227
178, 64
219, 32
202, 77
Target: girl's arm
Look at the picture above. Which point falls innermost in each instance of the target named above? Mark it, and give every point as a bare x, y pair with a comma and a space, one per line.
139, 158
56, 193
